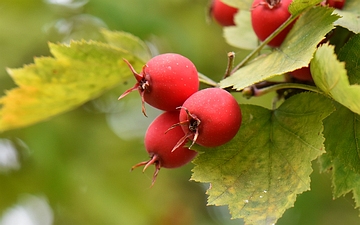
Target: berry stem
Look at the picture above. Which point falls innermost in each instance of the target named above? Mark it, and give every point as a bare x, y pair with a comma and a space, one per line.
262, 45
230, 65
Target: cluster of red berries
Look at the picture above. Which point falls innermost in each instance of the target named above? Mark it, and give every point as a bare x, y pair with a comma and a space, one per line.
266, 17
209, 117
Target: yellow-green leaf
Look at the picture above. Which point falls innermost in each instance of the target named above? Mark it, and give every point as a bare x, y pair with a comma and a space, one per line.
330, 76
77, 73
129, 42
298, 6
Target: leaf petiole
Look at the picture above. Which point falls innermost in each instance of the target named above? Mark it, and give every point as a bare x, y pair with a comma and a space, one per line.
230, 65
255, 91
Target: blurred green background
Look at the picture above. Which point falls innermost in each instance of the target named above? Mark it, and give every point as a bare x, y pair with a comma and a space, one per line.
75, 168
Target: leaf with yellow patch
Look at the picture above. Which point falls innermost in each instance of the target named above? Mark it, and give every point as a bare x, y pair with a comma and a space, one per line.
77, 73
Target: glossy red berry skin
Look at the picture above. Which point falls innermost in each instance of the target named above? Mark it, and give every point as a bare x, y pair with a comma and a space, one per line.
267, 16
166, 81
219, 115
339, 4
173, 78
160, 140
222, 13
303, 74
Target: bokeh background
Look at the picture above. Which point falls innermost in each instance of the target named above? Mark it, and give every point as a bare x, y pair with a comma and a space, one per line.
75, 167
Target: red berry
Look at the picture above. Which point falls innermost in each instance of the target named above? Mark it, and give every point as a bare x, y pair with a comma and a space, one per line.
222, 13
267, 16
339, 4
160, 141
210, 117
302, 74
166, 81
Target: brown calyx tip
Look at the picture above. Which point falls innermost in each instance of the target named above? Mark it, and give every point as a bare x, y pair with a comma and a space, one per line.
142, 85
193, 123
273, 3
153, 160
269, 3
138, 76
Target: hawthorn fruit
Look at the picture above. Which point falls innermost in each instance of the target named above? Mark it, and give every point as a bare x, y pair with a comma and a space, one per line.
165, 81
269, 15
160, 141
223, 13
211, 117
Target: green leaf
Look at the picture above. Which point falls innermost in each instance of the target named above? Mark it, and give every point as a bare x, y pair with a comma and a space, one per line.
78, 73
342, 132
350, 16
350, 54
129, 42
242, 35
296, 51
298, 6
261, 171
344, 180
330, 76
